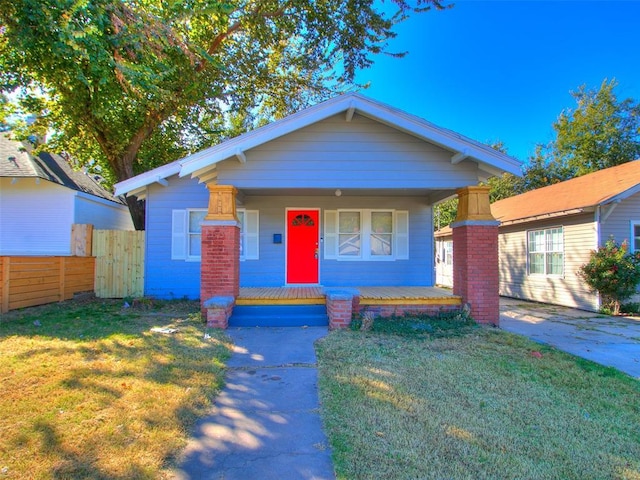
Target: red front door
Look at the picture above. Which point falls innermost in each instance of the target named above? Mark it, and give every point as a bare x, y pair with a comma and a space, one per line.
302, 246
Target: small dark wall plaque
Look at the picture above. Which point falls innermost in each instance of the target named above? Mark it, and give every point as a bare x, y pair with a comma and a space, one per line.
277, 238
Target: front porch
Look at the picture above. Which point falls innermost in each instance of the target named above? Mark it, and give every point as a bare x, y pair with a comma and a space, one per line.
475, 268
285, 306
317, 295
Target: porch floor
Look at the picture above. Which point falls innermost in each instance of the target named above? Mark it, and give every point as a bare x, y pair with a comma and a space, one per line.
368, 295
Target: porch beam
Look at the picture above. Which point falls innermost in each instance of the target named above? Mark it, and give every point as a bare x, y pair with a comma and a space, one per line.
204, 175
458, 157
162, 181
207, 177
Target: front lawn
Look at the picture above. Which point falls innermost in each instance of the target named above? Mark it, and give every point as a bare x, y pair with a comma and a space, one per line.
418, 402
97, 390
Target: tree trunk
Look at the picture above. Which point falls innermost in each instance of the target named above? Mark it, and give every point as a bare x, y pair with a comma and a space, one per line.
137, 211
123, 168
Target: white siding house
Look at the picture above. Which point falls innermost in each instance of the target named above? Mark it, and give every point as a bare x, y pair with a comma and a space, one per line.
41, 197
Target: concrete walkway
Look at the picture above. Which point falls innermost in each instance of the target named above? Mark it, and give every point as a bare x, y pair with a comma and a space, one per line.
610, 341
266, 422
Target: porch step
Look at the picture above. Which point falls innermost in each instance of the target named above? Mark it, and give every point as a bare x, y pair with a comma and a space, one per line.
279, 316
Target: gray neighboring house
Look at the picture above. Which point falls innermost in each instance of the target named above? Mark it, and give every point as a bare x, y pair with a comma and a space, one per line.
547, 234
41, 197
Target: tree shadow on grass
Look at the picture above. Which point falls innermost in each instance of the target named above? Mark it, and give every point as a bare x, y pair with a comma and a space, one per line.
118, 381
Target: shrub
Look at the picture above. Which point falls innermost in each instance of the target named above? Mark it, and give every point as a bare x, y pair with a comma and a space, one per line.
613, 272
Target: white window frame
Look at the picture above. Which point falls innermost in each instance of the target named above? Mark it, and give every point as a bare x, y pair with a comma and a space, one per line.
189, 234
180, 235
332, 236
447, 252
633, 237
545, 252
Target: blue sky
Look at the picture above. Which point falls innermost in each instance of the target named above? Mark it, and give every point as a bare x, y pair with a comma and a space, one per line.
503, 70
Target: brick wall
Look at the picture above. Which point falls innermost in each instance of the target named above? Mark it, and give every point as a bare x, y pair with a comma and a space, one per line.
220, 266
339, 310
475, 270
399, 310
218, 311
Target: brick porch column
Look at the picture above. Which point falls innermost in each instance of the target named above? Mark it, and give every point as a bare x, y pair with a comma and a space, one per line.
220, 242
475, 255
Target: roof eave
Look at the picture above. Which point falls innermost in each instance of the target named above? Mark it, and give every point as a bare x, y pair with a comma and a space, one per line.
460, 146
140, 182
622, 195
546, 216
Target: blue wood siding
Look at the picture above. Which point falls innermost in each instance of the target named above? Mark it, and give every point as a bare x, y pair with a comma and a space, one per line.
166, 278
335, 153
269, 270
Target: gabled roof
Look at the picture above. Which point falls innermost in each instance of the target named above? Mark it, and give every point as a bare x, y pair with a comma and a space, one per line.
600, 188
200, 164
17, 161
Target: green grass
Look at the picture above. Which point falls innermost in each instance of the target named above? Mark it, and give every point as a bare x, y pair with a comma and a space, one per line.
476, 403
90, 390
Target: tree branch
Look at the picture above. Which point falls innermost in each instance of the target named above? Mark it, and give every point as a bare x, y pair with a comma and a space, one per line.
221, 37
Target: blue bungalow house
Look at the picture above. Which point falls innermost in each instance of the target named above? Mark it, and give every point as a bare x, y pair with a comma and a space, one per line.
337, 197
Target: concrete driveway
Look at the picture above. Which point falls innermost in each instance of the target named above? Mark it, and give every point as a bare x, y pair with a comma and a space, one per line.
610, 341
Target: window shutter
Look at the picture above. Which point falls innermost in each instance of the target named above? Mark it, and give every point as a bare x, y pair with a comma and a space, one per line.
330, 234
251, 235
402, 235
178, 235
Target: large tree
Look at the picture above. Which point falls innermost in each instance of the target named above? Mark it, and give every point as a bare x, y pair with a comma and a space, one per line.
600, 132
134, 84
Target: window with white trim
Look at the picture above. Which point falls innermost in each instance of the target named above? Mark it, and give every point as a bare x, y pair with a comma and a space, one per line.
194, 232
186, 234
366, 234
635, 235
545, 251
446, 253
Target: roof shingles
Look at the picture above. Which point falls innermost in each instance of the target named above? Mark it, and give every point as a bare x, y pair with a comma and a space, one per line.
578, 193
16, 161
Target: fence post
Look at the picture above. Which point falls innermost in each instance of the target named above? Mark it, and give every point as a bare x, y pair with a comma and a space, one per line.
81, 239
6, 266
61, 279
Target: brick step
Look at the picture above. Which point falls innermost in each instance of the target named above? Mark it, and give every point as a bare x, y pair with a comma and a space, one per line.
279, 316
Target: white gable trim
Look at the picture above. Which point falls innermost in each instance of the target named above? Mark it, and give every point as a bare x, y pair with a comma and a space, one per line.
139, 183
462, 148
622, 195
427, 131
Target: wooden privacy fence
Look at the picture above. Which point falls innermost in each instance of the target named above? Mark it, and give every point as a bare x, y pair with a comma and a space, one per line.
29, 281
119, 258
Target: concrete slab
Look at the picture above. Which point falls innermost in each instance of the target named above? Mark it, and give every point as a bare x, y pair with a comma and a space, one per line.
266, 422
274, 346
610, 341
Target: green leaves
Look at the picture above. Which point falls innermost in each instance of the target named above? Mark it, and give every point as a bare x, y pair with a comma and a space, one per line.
600, 132
613, 272
129, 77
